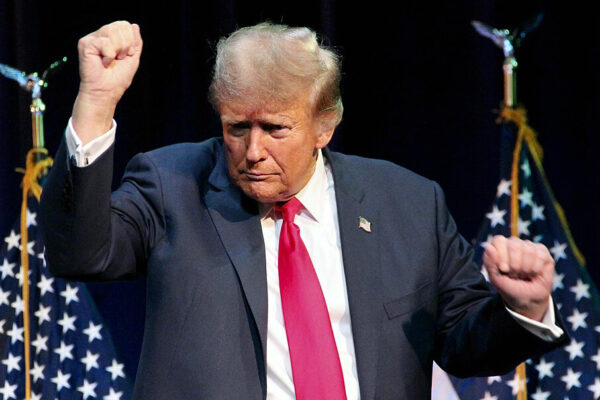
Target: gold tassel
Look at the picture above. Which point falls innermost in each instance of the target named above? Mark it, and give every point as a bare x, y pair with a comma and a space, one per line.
33, 171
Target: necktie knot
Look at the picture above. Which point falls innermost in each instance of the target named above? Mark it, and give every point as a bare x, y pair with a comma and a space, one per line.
289, 209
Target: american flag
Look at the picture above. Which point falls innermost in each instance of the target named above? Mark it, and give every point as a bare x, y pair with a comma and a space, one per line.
72, 355
573, 371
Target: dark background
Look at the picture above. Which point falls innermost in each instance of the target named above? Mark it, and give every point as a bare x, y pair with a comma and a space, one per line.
420, 87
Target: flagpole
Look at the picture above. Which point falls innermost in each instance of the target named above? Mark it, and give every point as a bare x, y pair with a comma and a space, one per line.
508, 41
509, 68
36, 166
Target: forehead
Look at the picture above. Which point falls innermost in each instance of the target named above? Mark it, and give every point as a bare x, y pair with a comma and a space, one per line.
239, 109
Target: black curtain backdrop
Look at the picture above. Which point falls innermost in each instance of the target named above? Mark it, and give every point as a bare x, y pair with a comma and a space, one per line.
420, 88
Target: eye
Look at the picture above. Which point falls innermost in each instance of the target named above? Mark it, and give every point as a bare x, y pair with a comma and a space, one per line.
239, 128
275, 129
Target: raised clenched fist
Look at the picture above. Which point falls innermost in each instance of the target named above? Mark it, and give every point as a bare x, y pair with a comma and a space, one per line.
108, 60
522, 272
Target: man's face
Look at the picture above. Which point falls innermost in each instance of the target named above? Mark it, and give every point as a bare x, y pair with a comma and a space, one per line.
271, 151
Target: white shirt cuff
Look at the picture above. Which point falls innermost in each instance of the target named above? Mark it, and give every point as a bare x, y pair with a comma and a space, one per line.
546, 330
85, 155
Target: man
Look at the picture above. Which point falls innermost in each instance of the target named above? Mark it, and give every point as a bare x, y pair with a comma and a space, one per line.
276, 268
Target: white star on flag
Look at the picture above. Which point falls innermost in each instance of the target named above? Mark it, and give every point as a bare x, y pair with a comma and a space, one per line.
574, 348
61, 380
537, 213
581, 290
43, 314
93, 332
526, 198
8, 391
112, 395
523, 227
19, 276
503, 188
526, 168
557, 281
496, 216
487, 242
545, 369
37, 372
492, 379
488, 396
558, 251
31, 218
45, 285
18, 305
4, 297
2, 322
577, 319
67, 323
539, 395
64, 351
571, 379
12, 240
595, 388
12, 363
7, 269
42, 257
70, 294
596, 359
516, 384
88, 389
116, 370
40, 343
30, 248
90, 360
16, 334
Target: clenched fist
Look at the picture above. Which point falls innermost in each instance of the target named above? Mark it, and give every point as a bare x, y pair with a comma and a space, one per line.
522, 272
108, 60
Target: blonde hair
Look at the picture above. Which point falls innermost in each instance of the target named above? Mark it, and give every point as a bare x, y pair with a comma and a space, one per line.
270, 64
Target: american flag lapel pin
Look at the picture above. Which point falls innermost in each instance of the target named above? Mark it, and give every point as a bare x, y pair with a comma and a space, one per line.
364, 224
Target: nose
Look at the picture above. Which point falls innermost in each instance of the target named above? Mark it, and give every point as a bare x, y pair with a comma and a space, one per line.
255, 146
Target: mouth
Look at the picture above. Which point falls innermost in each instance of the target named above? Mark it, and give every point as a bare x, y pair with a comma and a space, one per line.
256, 176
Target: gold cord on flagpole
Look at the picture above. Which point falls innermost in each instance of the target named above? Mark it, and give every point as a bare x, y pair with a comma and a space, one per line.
519, 118
33, 171
514, 227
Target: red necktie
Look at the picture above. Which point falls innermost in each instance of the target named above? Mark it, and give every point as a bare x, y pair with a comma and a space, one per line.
316, 364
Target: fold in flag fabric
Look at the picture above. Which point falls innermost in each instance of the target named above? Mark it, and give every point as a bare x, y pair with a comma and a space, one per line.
72, 355
573, 371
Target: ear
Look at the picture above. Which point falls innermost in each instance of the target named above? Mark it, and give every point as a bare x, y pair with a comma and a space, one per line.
325, 136
325, 127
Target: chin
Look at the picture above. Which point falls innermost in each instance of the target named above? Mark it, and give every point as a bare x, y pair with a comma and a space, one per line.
262, 194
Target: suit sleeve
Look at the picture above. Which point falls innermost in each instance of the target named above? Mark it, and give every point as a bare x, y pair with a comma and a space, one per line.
91, 234
475, 334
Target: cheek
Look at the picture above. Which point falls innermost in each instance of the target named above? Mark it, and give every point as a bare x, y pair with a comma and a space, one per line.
235, 151
296, 165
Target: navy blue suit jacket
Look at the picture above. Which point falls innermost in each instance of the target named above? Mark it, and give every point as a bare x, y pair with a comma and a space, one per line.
415, 295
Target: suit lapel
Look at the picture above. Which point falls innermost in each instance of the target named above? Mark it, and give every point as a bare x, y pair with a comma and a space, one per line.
238, 225
360, 254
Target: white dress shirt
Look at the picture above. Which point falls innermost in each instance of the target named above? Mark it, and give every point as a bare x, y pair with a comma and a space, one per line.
319, 230
320, 233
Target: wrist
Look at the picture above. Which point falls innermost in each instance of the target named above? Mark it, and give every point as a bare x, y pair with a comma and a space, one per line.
92, 116
535, 310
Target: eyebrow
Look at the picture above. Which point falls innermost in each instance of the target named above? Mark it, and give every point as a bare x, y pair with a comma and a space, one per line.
279, 120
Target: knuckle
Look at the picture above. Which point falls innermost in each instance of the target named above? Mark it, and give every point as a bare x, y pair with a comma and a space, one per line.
514, 244
82, 43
